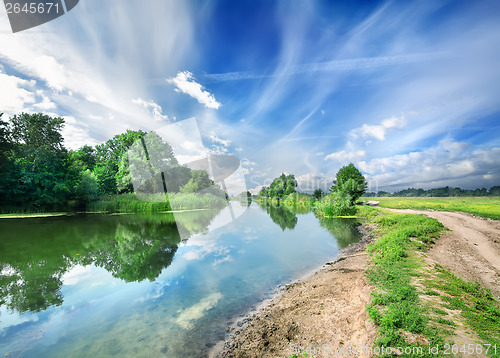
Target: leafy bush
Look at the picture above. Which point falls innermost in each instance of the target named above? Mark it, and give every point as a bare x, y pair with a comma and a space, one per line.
337, 203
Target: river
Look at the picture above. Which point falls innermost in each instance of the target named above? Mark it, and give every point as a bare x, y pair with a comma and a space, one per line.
131, 286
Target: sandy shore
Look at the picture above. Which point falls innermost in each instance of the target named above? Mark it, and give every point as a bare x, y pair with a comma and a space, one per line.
325, 312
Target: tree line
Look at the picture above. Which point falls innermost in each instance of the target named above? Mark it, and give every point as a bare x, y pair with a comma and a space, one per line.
349, 185
39, 174
439, 192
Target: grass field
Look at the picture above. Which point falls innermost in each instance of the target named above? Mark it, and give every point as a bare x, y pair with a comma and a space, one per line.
486, 206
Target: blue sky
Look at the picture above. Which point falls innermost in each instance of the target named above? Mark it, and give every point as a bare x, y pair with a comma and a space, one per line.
407, 91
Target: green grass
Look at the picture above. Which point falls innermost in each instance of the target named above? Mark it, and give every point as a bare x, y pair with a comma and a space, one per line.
477, 305
128, 203
487, 207
397, 306
31, 215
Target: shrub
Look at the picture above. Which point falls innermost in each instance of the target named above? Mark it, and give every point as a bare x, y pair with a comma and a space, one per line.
337, 203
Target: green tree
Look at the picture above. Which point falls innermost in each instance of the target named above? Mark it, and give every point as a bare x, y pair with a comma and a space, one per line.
112, 166
350, 179
7, 181
40, 165
282, 186
105, 175
87, 189
83, 158
6, 144
190, 187
318, 193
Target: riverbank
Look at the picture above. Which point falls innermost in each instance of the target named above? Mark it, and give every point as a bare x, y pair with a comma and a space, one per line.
406, 289
31, 215
326, 308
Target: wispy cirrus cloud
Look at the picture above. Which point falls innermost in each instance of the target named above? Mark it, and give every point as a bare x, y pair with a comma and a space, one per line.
333, 66
185, 83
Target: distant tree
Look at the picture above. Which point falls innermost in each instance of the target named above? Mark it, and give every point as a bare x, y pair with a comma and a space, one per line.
318, 193
282, 186
200, 177
350, 179
190, 187
494, 190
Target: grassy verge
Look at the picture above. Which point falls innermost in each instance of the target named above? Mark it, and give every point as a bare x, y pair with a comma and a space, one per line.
128, 203
487, 207
32, 215
477, 305
401, 281
295, 201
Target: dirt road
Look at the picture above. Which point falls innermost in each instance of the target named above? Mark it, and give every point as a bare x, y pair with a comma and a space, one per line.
471, 249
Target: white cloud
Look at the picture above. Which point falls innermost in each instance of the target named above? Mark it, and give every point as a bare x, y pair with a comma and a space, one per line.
215, 139
449, 163
248, 166
185, 83
454, 148
46, 104
307, 183
153, 107
72, 63
15, 93
220, 146
75, 135
346, 156
379, 131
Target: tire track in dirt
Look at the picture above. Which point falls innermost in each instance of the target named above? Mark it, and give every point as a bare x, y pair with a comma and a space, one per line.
470, 250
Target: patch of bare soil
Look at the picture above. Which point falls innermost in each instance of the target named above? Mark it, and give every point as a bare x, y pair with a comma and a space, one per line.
325, 311
470, 250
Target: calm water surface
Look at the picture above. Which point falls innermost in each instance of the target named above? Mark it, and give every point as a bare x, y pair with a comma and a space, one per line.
128, 286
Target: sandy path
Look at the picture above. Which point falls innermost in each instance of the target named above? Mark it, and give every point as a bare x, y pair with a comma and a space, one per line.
470, 250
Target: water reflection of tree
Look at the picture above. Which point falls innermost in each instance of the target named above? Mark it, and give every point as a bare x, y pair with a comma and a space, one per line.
283, 217
138, 251
345, 230
35, 253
